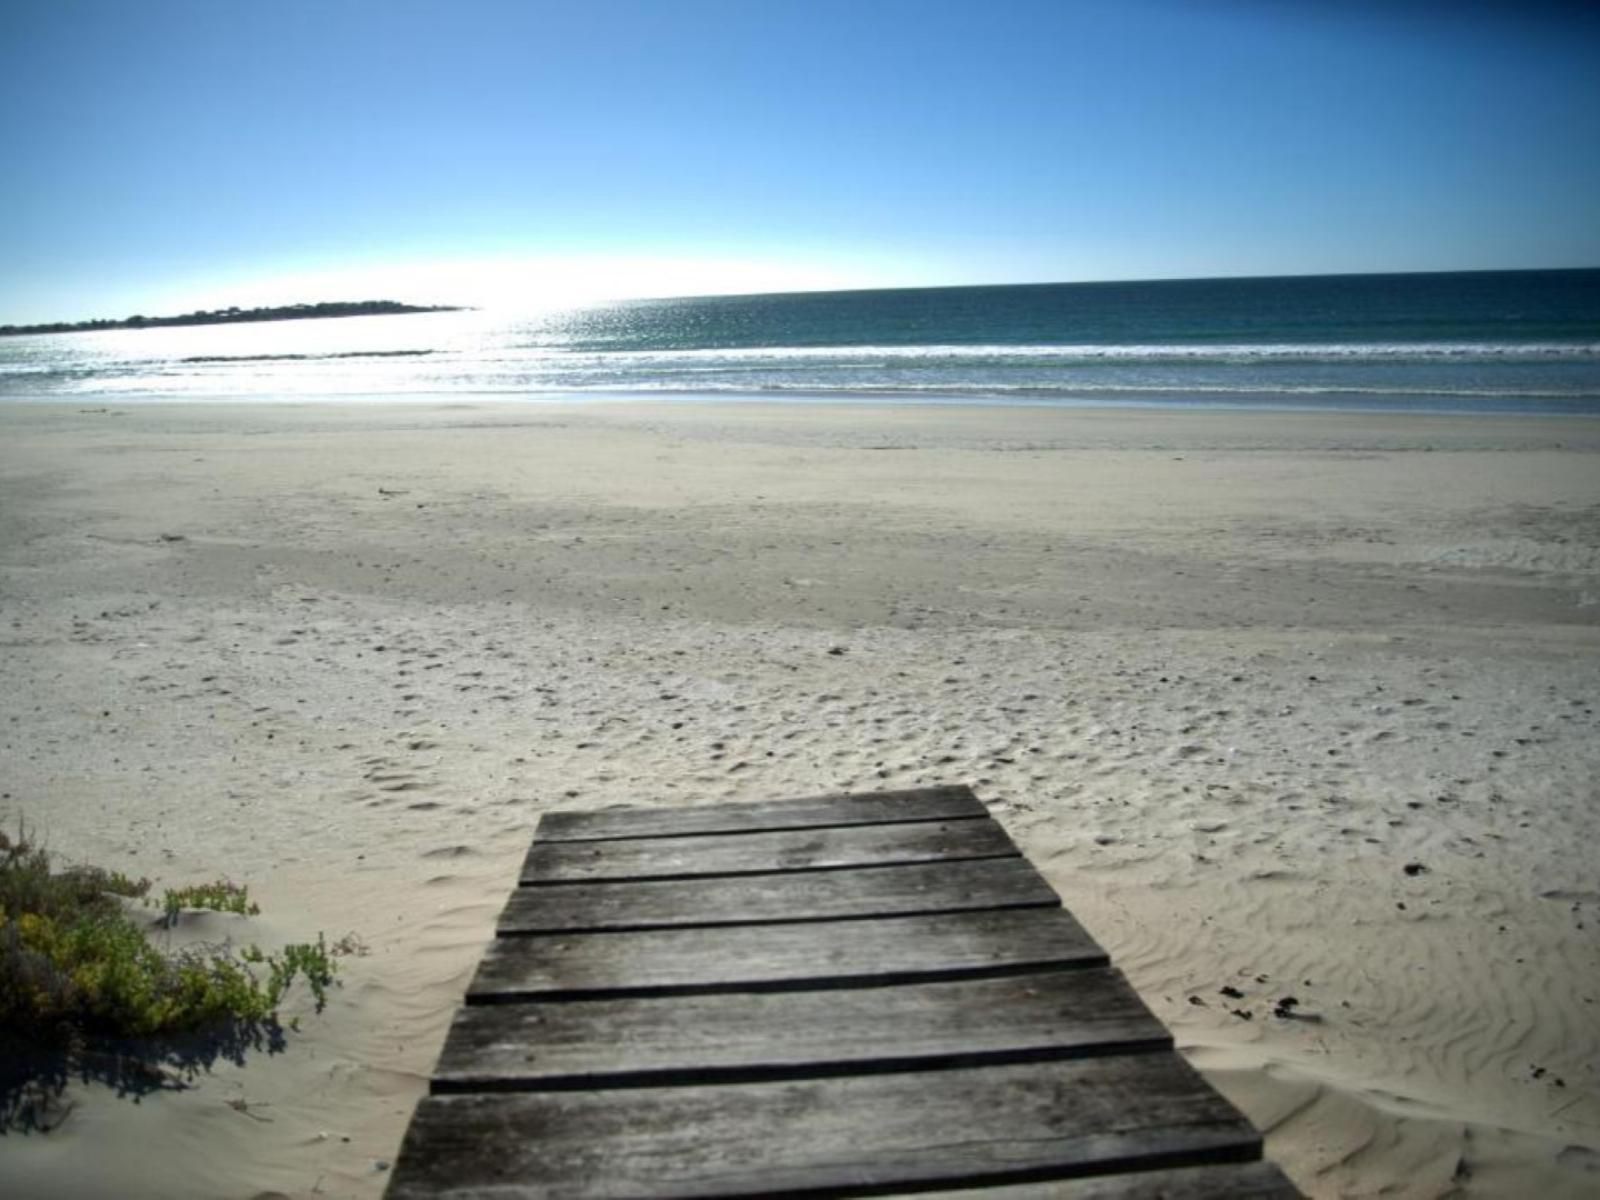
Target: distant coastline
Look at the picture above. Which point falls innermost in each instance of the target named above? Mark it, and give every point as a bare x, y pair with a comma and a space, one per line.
231, 316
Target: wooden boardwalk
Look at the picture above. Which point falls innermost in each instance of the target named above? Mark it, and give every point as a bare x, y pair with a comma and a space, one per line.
842, 996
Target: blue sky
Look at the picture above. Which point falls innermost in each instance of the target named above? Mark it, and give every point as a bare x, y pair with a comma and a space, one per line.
162, 155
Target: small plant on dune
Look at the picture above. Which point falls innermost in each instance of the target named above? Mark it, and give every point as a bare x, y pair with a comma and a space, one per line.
219, 896
74, 962
306, 960
315, 963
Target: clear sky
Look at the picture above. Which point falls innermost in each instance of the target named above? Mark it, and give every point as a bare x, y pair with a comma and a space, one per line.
158, 155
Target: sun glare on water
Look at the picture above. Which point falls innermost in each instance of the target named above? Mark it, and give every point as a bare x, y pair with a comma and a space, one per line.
530, 284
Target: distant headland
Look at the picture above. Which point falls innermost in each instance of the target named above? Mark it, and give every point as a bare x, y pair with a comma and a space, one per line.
232, 316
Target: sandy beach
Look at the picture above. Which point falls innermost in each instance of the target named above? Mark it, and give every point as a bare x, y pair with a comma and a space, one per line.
1285, 704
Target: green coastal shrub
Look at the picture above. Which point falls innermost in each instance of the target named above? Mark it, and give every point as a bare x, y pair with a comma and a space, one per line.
73, 961
220, 896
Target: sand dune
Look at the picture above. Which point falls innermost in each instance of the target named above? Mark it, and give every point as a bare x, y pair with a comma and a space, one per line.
1288, 707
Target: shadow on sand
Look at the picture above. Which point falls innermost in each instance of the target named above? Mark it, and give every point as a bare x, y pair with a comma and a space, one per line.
35, 1074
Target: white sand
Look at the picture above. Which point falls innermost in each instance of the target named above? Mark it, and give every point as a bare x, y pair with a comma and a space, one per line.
1222, 675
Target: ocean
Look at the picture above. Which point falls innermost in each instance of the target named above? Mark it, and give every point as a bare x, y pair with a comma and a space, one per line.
1499, 341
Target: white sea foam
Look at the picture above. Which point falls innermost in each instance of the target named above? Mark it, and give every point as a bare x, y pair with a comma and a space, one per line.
1221, 353
412, 356
978, 388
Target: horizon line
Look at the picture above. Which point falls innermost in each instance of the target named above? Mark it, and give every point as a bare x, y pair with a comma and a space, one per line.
954, 287
935, 287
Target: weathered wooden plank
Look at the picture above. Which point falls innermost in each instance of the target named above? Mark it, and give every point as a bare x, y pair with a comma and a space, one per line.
875, 808
1219, 1181
789, 896
875, 951
840, 1136
741, 1037
755, 853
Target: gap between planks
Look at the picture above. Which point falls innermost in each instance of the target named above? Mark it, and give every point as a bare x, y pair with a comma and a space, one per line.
695, 856
854, 1135
945, 802
789, 897
746, 1037
878, 951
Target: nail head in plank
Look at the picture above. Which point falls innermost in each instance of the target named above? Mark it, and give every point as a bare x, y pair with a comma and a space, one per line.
742, 1037
757, 853
847, 1135
914, 804
872, 952
789, 896
1220, 1181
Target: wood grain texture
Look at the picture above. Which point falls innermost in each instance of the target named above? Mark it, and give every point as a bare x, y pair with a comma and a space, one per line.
858, 995
873, 952
788, 896
682, 1039
875, 808
854, 1135
1220, 1181
757, 853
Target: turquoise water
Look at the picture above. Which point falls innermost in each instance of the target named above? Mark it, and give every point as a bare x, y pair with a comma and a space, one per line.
1484, 341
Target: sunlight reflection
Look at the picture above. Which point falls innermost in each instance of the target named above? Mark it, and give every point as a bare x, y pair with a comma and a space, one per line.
531, 284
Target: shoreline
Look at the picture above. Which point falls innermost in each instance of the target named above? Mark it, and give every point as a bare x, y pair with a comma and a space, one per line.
1174, 400
1223, 676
